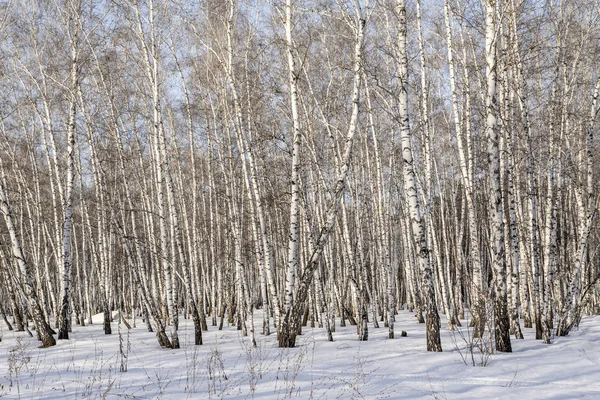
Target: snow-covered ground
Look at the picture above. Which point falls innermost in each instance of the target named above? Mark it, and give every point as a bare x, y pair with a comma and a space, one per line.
88, 366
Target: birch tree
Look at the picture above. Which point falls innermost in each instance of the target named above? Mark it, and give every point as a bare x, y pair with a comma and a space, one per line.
410, 187
43, 328
466, 162
296, 294
73, 24
501, 322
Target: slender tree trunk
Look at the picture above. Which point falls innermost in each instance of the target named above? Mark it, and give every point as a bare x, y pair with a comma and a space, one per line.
42, 327
296, 294
465, 158
501, 323
67, 259
410, 187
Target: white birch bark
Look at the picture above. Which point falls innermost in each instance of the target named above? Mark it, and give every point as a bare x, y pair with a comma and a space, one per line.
444, 281
295, 177
411, 192
532, 219
42, 327
571, 307
66, 266
192, 280
291, 318
377, 188
176, 238
150, 59
465, 162
501, 323
513, 233
550, 228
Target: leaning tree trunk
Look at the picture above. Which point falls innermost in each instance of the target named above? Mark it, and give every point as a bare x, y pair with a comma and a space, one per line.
296, 295
42, 326
570, 311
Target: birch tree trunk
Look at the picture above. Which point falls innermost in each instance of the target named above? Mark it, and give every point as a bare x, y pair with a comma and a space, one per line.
292, 259
532, 217
150, 59
296, 295
410, 186
67, 259
513, 231
465, 158
43, 328
501, 322
571, 308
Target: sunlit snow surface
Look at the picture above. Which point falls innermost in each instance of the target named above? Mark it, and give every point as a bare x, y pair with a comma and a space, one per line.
88, 366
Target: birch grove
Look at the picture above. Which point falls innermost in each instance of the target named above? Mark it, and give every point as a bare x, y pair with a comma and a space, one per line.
287, 164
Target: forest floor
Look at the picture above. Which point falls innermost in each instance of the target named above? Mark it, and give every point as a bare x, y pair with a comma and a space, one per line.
88, 365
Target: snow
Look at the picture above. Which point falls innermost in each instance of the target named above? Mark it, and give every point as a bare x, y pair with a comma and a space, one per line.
87, 365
